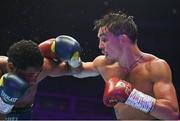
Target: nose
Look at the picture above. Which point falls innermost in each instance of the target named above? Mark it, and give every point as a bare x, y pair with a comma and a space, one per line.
101, 44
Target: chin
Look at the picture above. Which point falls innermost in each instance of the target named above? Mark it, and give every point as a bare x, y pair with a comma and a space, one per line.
109, 57
112, 58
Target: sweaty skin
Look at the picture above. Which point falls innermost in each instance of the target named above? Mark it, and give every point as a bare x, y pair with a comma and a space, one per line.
145, 72
143, 77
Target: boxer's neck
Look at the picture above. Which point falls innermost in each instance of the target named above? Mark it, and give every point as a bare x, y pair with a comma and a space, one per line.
133, 65
131, 58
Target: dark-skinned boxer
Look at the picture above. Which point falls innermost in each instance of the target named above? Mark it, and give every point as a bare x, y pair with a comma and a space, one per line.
32, 63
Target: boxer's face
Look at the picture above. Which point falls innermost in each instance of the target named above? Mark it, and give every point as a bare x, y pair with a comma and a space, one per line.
109, 43
30, 74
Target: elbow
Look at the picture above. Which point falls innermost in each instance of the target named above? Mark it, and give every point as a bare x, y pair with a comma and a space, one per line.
166, 110
176, 115
77, 76
170, 116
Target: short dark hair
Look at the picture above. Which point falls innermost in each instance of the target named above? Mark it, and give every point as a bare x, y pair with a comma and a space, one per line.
24, 54
119, 23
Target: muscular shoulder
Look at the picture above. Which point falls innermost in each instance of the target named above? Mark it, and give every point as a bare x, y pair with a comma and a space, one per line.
159, 69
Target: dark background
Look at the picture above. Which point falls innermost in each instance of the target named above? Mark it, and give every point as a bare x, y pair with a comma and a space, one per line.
68, 97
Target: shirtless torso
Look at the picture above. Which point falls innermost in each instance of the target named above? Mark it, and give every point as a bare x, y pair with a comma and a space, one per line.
139, 77
142, 77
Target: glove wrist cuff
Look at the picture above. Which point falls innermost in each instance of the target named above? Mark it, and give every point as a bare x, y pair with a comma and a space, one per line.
75, 63
141, 101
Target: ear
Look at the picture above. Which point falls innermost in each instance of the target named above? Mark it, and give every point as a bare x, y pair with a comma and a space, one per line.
123, 39
10, 66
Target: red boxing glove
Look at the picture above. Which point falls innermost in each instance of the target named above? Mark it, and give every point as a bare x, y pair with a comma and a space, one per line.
47, 49
116, 91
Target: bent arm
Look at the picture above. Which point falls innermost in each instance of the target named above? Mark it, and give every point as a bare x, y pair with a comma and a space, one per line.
166, 106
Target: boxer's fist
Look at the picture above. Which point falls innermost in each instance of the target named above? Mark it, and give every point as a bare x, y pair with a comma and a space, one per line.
12, 88
64, 48
67, 48
116, 90
47, 49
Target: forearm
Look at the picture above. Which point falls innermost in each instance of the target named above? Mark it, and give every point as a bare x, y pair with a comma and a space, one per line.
159, 108
85, 75
163, 109
86, 69
81, 73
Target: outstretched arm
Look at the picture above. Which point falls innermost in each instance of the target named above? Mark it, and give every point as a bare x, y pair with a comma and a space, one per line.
87, 69
90, 69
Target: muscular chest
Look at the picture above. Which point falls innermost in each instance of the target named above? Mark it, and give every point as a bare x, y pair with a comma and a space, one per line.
110, 71
139, 77
141, 80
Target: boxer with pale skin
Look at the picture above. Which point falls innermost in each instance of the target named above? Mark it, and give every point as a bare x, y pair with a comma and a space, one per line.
138, 85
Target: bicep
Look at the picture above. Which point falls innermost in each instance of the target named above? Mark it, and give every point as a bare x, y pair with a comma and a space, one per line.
166, 106
164, 90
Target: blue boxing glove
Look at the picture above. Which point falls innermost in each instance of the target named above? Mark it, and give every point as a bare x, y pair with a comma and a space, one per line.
12, 88
68, 49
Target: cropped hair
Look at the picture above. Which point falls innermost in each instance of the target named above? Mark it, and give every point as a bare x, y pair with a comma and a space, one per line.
24, 54
118, 23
